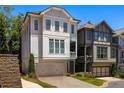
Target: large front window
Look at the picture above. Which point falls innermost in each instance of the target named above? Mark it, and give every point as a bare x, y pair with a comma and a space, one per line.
56, 25
101, 52
57, 45
48, 24
51, 46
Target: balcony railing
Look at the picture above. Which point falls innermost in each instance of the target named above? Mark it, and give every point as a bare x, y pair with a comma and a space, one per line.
72, 55
88, 58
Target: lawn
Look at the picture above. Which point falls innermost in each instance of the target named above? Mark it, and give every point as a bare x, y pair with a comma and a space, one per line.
94, 81
35, 80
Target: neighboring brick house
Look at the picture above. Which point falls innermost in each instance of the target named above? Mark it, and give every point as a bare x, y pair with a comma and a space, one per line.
51, 35
96, 51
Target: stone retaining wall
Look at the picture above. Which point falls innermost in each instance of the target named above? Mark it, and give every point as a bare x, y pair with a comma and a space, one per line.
9, 71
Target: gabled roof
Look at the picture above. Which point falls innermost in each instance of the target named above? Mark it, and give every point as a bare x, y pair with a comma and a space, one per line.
52, 8
104, 22
119, 32
87, 25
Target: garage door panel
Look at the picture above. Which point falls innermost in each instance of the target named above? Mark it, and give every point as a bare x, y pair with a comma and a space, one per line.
49, 69
101, 71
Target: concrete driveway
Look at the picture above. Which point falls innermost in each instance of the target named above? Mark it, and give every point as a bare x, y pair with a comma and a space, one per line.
65, 82
113, 82
28, 84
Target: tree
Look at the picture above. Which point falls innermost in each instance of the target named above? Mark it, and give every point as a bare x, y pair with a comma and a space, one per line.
14, 43
9, 30
5, 27
31, 70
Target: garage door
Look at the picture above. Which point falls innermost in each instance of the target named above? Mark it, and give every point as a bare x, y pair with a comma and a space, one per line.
101, 71
51, 69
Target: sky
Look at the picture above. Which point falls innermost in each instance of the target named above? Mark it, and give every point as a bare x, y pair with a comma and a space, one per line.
113, 15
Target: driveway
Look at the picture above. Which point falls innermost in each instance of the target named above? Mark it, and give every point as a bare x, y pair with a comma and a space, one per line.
65, 82
113, 82
28, 84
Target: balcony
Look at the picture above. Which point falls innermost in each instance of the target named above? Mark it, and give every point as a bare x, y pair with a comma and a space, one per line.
73, 55
88, 58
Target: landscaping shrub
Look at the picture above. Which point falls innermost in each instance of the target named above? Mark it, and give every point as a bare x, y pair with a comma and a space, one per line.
121, 75
78, 74
113, 70
68, 74
31, 71
89, 75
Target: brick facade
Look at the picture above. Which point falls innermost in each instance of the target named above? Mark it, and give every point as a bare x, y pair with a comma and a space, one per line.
9, 71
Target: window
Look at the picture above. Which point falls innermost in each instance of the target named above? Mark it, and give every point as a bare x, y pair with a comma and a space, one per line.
57, 46
113, 53
101, 36
72, 46
89, 35
65, 27
56, 25
102, 52
35, 24
96, 35
48, 24
51, 46
72, 28
62, 46
106, 37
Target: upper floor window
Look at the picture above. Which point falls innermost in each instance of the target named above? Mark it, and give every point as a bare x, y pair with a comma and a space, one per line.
101, 36
56, 25
51, 46
113, 52
65, 27
106, 37
48, 24
89, 35
72, 28
35, 24
72, 46
101, 52
96, 35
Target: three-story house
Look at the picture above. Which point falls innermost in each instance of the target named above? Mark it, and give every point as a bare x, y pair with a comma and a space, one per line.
95, 50
51, 36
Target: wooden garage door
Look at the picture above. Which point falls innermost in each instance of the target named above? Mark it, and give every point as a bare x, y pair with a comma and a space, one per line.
101, 71
51, 69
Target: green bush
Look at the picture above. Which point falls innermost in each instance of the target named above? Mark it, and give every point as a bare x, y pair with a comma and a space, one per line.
68, 74
89, 75
79, 75
31, 71
113, 70
121, 75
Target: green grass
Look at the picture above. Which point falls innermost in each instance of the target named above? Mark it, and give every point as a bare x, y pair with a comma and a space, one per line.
35, 80
94, 81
